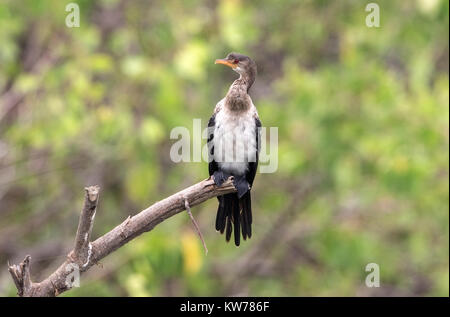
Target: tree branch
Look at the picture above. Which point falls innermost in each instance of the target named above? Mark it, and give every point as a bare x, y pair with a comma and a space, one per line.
82, 250
86, 253
197, 228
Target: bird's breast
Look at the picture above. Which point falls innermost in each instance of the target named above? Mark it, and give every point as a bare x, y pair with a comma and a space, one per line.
234, 141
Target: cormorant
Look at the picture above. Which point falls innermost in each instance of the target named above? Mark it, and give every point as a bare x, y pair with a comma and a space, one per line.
233, 147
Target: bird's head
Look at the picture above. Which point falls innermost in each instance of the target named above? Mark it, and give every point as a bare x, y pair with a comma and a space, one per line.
241, 64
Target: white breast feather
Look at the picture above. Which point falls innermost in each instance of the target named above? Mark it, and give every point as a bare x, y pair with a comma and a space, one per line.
234, 141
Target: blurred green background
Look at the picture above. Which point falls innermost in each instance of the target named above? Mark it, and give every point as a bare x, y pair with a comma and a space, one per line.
363, 118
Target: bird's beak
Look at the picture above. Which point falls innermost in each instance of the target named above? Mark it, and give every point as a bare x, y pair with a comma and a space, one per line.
225, 62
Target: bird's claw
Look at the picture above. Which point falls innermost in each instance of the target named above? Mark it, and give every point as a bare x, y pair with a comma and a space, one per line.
220, 177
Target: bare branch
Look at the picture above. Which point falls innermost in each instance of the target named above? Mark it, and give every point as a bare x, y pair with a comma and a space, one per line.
86, 254
81, 253
197, 228
21, 276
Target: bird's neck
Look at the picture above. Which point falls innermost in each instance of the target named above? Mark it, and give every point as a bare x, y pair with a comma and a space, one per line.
246, 79
237, 98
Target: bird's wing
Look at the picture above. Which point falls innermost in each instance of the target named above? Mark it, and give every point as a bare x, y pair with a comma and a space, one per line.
211, 126
253, 166
212, 166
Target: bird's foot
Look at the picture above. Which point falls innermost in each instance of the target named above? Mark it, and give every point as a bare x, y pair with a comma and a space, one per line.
220, 177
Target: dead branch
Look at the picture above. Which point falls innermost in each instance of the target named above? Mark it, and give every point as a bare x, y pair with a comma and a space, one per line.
197, 228
86, 253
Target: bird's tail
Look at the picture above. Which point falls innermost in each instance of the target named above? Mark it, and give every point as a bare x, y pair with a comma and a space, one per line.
235, 212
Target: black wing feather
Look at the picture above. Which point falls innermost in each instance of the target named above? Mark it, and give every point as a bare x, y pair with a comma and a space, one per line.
212, 166
253, 166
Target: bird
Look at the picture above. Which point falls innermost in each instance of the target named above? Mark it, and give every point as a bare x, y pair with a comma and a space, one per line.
233, 148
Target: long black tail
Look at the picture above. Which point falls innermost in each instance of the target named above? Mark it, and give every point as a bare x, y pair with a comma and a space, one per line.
235, 212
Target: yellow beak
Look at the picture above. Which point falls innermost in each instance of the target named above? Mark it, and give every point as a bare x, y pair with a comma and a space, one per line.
225, 62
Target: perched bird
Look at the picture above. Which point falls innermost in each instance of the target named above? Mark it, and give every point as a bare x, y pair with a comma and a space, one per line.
233, 145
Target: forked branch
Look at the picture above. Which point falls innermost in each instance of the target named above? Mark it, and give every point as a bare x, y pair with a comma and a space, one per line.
87, 253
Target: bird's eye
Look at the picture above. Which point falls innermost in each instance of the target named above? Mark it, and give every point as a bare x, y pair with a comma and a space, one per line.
236, 61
